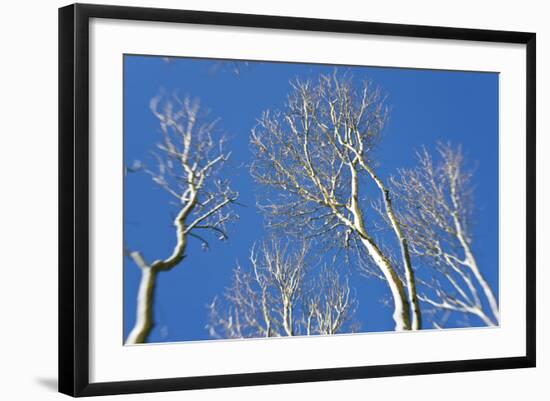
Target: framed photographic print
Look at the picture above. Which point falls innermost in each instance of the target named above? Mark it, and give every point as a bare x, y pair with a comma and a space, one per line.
250, 199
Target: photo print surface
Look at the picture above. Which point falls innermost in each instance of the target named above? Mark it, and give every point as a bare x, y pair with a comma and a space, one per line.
269, 199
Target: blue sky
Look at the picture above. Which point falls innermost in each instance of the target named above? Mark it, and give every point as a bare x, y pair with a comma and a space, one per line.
426, 106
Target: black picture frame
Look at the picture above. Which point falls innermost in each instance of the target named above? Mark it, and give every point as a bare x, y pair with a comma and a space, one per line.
74, 198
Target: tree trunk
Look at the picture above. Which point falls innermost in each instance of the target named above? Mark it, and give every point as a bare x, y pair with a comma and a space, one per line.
401, 312
146, 293
404, 247
144, 315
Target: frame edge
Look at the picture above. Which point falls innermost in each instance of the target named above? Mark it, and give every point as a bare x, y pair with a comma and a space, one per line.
531, 199
66, 306
73, 302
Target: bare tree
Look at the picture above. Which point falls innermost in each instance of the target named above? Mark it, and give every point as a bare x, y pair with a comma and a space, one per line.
316, 154
436, 205
189, 158
279, 296
330, 305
